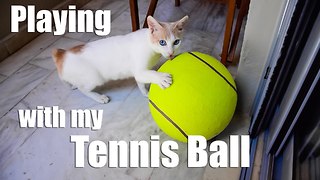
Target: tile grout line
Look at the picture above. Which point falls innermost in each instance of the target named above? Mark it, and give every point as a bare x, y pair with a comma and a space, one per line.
5, 78
124, 100
31, 58
24, 141
64, 35
30, 90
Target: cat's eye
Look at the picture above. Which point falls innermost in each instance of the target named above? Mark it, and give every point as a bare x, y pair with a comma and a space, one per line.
162, 42
176, 42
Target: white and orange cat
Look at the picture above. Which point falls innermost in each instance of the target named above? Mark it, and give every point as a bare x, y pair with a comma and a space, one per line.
133, 55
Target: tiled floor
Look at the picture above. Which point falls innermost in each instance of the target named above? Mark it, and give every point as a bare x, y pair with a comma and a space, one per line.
28, 79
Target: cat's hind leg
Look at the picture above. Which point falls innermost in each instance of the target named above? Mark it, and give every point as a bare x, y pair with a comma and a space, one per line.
88, 87
86, 78
101, 98
86, 84
73, 87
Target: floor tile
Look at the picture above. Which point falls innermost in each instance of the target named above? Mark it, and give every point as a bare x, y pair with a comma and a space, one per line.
238, 126
117, 7
2, 78
29, 79
216, 20
166, 11
221, 173
13, 112
122, 24
4, 53
117, 92
196, 40
198, 18
11, 138
25, 54
17, 86
45, 60
48, 151
50, 92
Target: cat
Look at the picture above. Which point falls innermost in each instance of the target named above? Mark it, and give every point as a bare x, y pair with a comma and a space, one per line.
93, 64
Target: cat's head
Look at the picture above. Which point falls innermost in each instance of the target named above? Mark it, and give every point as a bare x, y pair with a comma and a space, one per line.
166, 37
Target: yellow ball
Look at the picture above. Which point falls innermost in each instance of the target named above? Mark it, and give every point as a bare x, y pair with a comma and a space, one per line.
201, 100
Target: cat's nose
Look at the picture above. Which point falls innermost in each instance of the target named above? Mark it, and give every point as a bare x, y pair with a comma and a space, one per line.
171, 56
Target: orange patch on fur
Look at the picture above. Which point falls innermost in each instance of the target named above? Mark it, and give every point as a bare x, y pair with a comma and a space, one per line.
58, 57
163, 30
162, 33
77, 49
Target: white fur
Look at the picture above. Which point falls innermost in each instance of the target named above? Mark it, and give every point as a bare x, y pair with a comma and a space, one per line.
118, 57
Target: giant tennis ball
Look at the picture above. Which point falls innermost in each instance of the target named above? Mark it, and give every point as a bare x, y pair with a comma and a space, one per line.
201, 100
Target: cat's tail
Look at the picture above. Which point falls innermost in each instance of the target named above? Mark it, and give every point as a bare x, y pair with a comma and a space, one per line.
58, 56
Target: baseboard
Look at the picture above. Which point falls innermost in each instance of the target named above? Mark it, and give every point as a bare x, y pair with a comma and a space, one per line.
15, 41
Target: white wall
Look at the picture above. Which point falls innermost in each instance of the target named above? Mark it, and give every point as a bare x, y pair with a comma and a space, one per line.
262, 24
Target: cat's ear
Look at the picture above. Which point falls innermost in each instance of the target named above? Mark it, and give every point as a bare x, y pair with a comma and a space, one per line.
180, 24
153, 24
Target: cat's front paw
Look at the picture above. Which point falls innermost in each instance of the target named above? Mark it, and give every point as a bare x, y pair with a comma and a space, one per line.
165, 80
